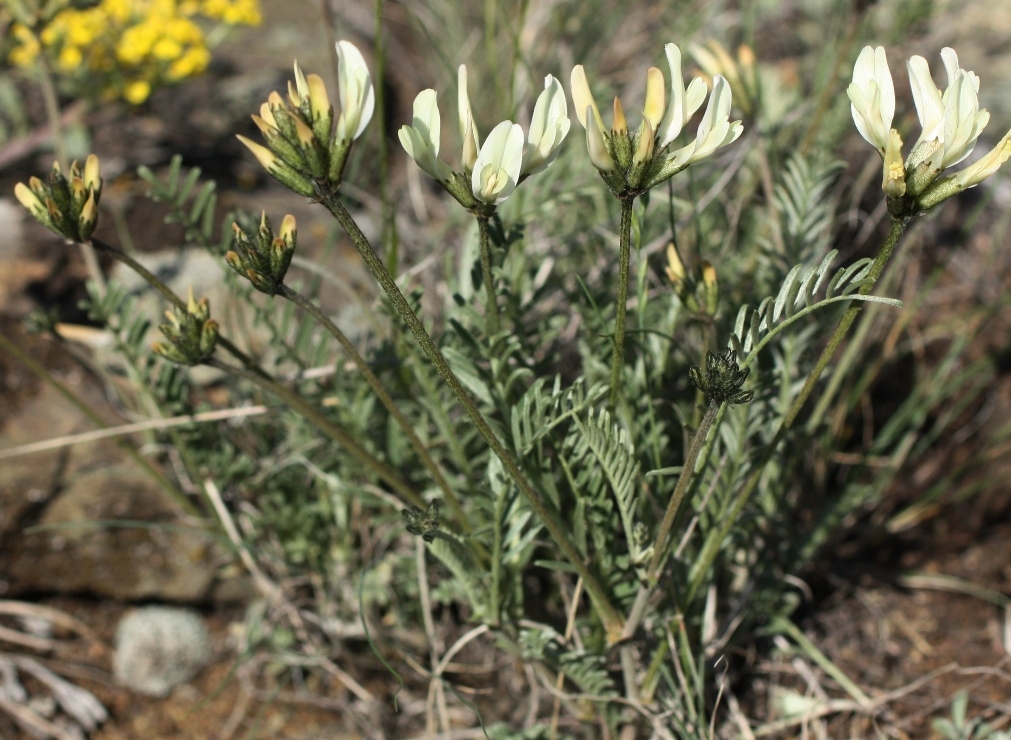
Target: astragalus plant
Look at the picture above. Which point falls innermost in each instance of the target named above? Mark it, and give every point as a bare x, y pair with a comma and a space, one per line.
637, 459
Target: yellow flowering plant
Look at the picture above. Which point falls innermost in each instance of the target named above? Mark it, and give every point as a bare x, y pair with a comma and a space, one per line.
124, 48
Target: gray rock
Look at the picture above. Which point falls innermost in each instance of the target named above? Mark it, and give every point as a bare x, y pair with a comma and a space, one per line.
159, 648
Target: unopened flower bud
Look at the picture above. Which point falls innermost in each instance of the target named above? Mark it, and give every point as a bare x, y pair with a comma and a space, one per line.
620, 125
894, 171
88, 218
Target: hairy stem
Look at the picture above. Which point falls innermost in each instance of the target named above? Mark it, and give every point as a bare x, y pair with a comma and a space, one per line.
486, 277
331, 429
711, 547
384, 397
670, 516
265, 380
178, 497
618, 356
608, 614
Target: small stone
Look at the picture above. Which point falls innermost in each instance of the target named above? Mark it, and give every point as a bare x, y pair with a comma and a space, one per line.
159, 648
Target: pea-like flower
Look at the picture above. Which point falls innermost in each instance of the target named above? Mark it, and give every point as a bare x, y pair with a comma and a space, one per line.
632, 163
489, 172
951, 123
354, 84
872, 97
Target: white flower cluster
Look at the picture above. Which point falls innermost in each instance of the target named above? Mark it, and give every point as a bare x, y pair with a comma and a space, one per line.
951, 122
650, 162
496, 167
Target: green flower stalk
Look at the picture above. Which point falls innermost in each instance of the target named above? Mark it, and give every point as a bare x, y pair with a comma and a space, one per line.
489, 173
631, 163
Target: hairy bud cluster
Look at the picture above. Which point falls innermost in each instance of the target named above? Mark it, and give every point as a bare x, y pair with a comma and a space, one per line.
192, 334
263, 258
304, 143
722, 380
68, 203
424, 524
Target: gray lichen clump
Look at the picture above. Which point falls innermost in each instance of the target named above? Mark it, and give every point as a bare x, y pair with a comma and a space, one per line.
158, 648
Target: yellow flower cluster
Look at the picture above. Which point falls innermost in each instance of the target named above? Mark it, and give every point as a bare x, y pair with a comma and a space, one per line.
131, 46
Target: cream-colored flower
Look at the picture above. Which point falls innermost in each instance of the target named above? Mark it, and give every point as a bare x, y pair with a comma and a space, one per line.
872, 96
354, 84
716, 130
986, 165
422, 138
549, 125
683, 103
497, 169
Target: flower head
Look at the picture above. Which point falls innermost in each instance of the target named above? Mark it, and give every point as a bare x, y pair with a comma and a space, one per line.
632, 162
950, 122
304, 150
490, 172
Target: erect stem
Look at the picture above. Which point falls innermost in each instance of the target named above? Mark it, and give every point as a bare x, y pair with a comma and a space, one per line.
337, 433
608, 614
669, 517
261, 377
178, 497
711, 546
384, 397
618, 356
486, 277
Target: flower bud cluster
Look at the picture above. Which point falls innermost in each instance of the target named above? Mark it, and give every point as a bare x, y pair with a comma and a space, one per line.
722, 380
304, 145
68, 203
951, 122
633, 162
263, 258
699, 292
192, 334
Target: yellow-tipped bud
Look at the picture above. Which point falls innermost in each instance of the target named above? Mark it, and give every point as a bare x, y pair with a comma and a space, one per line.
675, 268
191, 304
300, 83
746, 56
289, 229
595, 144
582, 98
92, 173
54, 211
469, 156
267, 115
319, 100
88, 218
36, 185
233, 261
29, 199
78, 189
264, 226
620, 125
655, 97
293, 96
274, 100
265, 128
304, 133
708, 274
263, 155
644, 149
